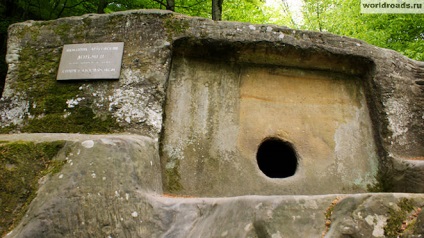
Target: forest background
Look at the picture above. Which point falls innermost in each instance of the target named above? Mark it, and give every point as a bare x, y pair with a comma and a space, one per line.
400, 32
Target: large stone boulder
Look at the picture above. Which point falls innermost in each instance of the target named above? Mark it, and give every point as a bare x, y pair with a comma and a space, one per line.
212, 120
111, 186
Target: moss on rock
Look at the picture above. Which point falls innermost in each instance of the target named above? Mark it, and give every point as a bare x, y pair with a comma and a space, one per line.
69, 31
48, 109
81, 120
22, 164
402, 219
175, 26
383, 182
172, 178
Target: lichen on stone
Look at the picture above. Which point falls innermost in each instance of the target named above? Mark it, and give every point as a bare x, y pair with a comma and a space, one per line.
22, 164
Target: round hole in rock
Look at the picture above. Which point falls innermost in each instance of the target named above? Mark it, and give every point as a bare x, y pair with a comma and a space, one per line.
277, 158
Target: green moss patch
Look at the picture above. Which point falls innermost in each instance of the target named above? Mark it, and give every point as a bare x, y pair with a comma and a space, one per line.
80, 120
172, 178
175, 26
383, 182
37, 78
22, 164
49, 111
69, 31
402, 219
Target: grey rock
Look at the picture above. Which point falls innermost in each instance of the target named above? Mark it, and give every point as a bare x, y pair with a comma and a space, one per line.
170, 89
199, 97
111, 187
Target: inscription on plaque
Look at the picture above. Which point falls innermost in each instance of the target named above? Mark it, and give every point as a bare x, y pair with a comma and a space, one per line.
91, 61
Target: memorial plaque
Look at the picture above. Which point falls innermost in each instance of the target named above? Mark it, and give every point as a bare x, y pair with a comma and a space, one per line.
91, 61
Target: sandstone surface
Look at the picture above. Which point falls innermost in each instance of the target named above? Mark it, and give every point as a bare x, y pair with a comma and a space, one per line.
171, 148
111, 187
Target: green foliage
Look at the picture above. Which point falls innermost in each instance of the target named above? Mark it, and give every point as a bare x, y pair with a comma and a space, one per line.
200, 8
122, 5
22, 164
400, 32
245, 11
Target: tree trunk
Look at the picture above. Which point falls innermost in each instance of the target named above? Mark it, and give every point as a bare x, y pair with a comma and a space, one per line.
217, 10
170, 5
102, 5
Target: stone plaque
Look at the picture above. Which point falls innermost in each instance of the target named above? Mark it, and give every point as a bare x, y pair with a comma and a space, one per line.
91, 61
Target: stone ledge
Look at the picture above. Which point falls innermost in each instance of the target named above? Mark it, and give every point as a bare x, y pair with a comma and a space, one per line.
47, 137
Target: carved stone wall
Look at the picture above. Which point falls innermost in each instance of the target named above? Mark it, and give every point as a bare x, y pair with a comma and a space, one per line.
200, 98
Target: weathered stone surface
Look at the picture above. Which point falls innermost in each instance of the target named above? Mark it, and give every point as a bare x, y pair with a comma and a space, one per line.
216, 120
110, 187
374, 121
376, 215
199, 97
134, 103
105, 176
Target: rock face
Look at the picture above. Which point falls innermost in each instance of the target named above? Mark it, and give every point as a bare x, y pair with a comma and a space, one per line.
111, 187
217, 110
216, 119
